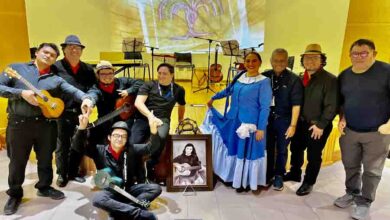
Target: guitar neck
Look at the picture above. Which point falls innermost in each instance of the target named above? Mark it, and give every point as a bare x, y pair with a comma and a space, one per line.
32, 87
108, 117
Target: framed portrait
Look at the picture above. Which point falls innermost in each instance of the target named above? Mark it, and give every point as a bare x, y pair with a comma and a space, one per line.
190, 163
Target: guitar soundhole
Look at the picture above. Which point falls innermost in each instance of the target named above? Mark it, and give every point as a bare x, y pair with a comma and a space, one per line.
45, 99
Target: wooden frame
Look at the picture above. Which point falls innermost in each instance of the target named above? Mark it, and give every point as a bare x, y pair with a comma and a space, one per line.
181, 171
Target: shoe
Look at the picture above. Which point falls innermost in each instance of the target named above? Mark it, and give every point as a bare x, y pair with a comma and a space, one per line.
143, 214
78, 179
278, 183
52, 193
12, 205
304, 189
61, 181
344, 201
242, 189
291, 177
360, 212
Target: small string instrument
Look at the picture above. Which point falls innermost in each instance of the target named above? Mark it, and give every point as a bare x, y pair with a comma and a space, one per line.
215, 69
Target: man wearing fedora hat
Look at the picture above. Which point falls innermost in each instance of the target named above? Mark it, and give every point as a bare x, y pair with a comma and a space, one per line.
315, 122
81, 76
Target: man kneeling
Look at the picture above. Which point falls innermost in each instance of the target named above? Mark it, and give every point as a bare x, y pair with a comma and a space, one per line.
114, 157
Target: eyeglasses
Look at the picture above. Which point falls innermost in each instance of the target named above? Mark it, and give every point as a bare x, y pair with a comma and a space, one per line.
363, 54
106, 74
117, 136
74, 47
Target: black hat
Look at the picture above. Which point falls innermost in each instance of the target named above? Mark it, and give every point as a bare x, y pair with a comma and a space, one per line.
72, 40
120, 125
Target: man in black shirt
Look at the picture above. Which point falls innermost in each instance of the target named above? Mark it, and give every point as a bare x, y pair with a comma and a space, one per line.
365, 102
155, 100
285, 107
315, 124
81, 76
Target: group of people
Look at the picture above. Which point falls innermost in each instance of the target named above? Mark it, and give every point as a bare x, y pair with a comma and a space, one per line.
266, 112
118, 144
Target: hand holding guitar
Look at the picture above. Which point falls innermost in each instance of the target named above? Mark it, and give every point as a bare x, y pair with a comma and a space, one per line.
86, 106
29, 96
123, 93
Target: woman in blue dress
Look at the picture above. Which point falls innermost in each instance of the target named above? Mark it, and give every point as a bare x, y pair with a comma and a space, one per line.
239, 136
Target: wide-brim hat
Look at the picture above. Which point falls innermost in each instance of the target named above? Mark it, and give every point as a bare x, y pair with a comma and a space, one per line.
313, 49
72, 40
104, 64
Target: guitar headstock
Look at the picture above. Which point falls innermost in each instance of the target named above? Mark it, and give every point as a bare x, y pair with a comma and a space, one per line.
12, 73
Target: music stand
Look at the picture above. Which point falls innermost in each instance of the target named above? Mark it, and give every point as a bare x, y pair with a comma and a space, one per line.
132, 45
207, 88
230, 48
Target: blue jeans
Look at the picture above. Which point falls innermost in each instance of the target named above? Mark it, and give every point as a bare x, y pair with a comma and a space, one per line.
276, 140
119, 206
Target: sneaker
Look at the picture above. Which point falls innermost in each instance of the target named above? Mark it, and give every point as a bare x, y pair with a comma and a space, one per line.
278, 183
12, 205
344, 201
61, 181
291, 177
52, 193
360, 212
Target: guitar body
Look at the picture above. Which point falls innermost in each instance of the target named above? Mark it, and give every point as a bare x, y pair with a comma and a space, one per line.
185, 169
128, 101
51, 107
215, 73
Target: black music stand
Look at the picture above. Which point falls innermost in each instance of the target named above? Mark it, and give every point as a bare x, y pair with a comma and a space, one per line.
230, 48
130, 47
207, 88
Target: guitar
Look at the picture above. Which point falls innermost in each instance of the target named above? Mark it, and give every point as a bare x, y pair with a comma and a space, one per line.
51, 107
184, 169
124, 107
215, 69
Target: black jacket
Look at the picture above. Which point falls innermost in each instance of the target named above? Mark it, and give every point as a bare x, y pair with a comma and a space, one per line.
320, 103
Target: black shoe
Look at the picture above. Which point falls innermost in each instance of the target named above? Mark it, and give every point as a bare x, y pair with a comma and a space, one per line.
12, 205
291, 177
61, 181
304, 189
78, 179
51, 192
242, 189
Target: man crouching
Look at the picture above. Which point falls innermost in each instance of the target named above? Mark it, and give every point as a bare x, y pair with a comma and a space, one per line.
114, 157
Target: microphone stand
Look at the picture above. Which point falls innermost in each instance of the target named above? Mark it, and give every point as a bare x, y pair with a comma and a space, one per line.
152, 49
207, 88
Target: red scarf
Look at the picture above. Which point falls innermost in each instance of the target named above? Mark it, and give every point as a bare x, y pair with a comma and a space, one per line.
116, 155
44, 71
109, 88
76, 68
306, 79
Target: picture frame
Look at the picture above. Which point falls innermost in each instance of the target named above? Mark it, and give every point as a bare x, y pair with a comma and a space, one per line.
190, 163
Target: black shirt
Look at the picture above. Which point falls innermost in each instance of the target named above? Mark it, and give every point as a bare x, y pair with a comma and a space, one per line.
288, 92
365, 97
162, 100
320, 103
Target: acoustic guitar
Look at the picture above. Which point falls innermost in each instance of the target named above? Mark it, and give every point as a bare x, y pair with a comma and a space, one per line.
124, 107
215, 69
51, 107
184, 169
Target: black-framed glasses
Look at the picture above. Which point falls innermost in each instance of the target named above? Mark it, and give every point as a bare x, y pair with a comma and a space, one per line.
117, 136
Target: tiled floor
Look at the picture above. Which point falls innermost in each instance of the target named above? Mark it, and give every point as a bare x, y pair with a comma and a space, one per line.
221, 204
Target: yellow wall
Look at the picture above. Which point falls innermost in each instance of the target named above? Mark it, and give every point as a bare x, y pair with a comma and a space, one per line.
368, 19
301, 22
14, 45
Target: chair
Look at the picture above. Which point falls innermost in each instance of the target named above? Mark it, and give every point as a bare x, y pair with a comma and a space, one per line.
184, 60
136, 57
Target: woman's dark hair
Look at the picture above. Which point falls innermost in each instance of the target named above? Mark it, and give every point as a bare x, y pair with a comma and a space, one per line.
167, 65
255, 53
52, 45
193, 152
362, 42
323, 60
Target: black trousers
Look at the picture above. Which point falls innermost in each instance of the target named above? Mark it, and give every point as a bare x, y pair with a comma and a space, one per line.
302, 141
67, 160
22, 135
